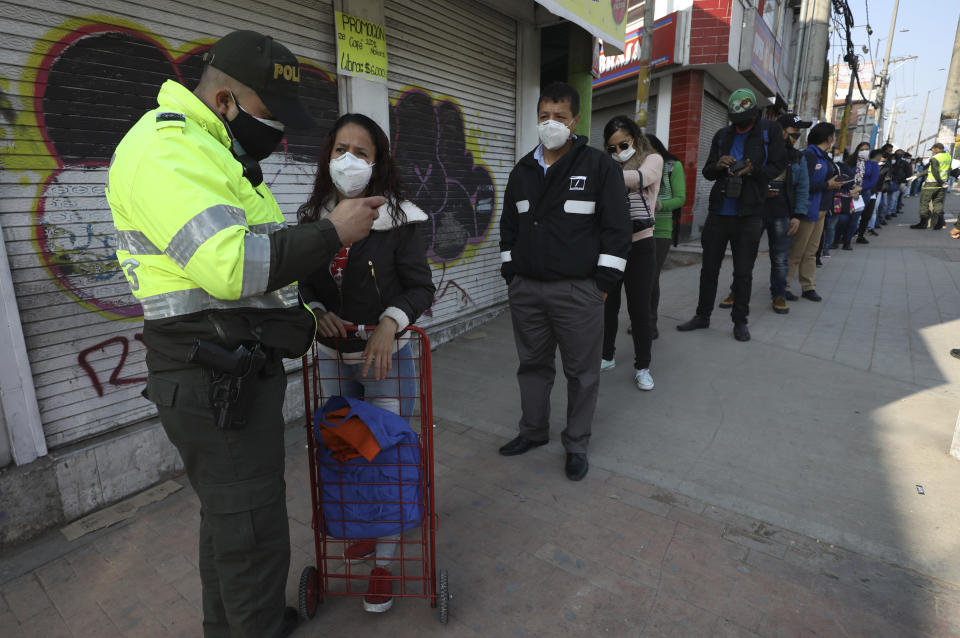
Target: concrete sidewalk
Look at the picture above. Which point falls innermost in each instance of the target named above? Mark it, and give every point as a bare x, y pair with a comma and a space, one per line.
762, 489
824, 423
529, 554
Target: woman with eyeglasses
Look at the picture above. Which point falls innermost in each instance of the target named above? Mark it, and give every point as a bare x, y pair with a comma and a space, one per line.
642, 172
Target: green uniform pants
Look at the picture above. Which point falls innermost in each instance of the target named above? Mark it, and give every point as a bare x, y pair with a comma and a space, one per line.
933, 196
238, 476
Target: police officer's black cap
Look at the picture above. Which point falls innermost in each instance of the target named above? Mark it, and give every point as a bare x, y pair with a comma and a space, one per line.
792, 119
267, 67
937, 145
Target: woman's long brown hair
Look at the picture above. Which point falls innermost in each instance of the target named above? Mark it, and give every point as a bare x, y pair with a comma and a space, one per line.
385, 179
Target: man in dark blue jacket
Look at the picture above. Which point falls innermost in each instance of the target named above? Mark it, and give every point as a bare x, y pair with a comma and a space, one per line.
824, 180
743, 158
564, 239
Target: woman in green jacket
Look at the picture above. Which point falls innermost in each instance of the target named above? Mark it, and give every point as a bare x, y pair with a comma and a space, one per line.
673, 193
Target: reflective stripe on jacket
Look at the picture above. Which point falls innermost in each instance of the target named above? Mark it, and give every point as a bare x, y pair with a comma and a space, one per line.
943, 169
192, 232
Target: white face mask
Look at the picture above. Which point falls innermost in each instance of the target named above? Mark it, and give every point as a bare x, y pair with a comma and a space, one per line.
350, 174
623, 156
553, 134
864, 155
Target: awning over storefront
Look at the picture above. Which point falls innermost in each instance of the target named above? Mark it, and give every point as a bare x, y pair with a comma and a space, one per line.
604, 19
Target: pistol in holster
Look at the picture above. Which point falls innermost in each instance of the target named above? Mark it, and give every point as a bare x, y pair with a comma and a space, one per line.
229, 369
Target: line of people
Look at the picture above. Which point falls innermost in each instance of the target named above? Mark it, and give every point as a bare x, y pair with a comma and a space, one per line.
809, 203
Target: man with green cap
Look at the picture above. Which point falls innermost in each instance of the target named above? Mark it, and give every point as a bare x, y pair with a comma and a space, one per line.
743, 158
934, 189
207, 253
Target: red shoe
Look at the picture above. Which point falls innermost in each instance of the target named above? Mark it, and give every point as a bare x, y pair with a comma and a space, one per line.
379, 596
360, 551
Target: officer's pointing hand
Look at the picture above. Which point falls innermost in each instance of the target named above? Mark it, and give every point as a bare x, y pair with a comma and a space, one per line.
353, 218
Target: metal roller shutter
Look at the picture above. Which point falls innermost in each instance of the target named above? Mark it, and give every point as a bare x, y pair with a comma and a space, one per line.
452, 86
600, 118
714, 118
73, 85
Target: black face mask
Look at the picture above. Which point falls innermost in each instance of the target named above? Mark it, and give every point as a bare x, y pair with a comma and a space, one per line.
792, 138
744, 117
254, 138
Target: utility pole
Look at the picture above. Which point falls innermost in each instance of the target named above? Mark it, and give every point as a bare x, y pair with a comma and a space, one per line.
923, 118
842, 139
893, 115
798, 57
884, 80
645, 71
951, 99
817, 32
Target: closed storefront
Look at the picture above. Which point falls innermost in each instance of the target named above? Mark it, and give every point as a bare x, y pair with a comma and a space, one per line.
714, 118
74, 80
452, 90
603, 115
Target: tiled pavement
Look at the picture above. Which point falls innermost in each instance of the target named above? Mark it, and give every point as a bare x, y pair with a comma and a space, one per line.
529, 554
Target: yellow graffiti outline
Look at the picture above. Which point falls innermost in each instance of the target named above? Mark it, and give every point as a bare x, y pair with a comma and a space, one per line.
29, 146
471, 138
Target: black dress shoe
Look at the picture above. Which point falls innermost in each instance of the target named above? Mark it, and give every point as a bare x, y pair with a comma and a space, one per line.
938, 227
862, 240
697, 323
789, 296
741, 332
811, 295
576, 466
519, 446
918, 226
291, 618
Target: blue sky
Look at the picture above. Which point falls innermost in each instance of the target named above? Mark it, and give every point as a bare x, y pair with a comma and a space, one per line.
931, 29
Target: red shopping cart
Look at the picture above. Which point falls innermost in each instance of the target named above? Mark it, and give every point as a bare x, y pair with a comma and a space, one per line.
404, 563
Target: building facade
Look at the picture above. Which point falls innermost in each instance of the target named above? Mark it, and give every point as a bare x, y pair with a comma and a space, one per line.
702, 51
458, 99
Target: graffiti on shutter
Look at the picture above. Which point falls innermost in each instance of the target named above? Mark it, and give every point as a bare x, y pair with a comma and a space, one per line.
81, 85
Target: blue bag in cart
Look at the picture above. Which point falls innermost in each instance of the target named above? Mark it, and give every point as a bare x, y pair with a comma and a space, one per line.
369, 470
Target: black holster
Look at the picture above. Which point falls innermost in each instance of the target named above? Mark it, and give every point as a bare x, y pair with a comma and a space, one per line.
229, 371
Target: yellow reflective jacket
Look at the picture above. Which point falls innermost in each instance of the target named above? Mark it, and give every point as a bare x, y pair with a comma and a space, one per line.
943, 169
193, 235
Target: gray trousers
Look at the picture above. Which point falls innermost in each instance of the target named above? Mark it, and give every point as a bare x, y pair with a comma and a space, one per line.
547, 314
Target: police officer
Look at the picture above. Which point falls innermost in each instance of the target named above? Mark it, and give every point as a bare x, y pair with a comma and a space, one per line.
205, 249
934, 189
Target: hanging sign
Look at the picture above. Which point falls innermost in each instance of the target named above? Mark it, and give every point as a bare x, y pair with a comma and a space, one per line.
361, 48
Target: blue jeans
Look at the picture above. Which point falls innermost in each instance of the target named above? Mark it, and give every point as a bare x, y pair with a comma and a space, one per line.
396, 393
847, 225
829, 229
779, 246
888, 205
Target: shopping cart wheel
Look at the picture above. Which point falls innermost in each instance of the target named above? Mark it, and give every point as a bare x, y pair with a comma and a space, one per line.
443, 594
309, 595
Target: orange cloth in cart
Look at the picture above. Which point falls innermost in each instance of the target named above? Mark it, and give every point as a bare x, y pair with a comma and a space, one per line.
350, 439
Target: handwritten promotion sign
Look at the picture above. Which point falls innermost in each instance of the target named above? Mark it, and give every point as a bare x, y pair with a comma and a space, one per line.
361, 48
